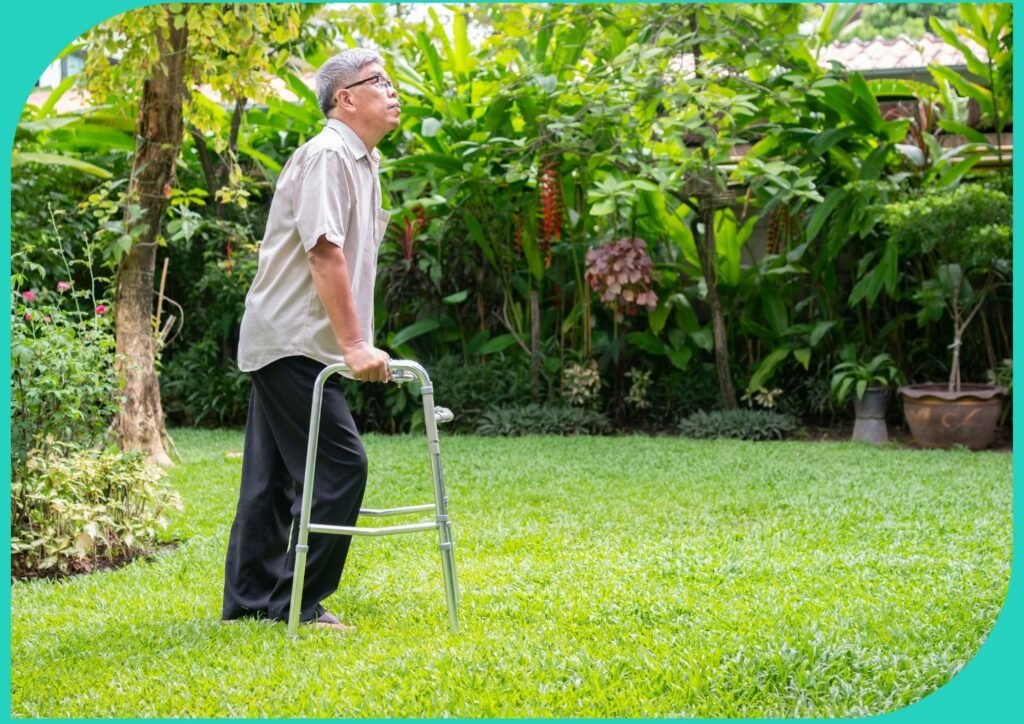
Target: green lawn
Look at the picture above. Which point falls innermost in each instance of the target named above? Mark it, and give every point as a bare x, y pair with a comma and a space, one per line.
600, 577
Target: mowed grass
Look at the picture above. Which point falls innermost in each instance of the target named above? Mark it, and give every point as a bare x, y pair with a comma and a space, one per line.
600, 577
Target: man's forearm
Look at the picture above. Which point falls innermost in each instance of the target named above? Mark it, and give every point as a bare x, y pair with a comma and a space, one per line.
331, 280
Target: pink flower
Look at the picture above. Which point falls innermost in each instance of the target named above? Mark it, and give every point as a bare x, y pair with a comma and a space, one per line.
101, 309
47, 318
63, 287
29, 296
28, 316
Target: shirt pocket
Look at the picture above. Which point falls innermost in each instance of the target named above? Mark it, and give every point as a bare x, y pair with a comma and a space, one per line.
383, 217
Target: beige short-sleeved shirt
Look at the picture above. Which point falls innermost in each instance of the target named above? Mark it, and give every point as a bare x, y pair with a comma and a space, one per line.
330, 188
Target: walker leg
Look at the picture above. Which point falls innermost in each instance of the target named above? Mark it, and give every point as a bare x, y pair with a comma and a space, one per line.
447, 546
302, 547
297, 581
451, 586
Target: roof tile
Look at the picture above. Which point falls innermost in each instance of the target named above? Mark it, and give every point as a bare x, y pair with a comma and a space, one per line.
899, 53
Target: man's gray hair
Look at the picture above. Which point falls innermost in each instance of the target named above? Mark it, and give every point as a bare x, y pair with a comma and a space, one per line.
341, 70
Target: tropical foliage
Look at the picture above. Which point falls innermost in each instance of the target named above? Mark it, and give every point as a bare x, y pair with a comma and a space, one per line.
676, 197
961, 244
892, 20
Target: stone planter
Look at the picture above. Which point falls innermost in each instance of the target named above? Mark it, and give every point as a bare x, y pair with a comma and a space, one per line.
939, 418
869, 425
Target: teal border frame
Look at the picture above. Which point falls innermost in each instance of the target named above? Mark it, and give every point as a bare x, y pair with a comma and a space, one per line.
987, 689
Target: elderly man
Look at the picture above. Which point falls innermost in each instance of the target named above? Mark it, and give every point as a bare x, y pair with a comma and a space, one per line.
311, 305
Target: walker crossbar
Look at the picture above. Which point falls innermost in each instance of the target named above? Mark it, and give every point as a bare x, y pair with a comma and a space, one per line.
401, 371
381, 512
386, 530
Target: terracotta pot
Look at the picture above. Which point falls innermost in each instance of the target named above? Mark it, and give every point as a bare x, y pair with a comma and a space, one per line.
939, 418
869, 425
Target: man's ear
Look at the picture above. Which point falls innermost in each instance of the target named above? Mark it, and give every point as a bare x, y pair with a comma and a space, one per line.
343, 98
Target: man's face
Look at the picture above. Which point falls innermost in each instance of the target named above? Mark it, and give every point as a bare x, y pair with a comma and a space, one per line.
376, 99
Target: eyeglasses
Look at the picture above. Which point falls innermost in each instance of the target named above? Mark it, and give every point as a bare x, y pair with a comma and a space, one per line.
377, 79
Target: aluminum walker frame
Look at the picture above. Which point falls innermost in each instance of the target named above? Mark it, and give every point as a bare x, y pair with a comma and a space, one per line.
401, 371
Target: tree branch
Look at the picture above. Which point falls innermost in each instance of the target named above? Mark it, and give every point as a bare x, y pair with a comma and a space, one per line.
204, 159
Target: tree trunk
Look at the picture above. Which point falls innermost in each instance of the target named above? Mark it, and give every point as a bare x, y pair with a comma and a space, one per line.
535, 342
706, 251
199, 141
140, 420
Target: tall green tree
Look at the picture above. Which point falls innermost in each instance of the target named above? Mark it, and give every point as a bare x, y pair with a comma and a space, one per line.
163, 55
158, 143
701, 81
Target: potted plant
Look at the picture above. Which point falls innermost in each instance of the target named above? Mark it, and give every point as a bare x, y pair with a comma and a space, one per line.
869, 381
961, 241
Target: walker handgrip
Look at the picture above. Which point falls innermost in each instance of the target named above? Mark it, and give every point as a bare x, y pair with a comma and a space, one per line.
400, 377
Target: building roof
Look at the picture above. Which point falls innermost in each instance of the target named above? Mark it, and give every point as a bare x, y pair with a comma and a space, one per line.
900, 53
902, 56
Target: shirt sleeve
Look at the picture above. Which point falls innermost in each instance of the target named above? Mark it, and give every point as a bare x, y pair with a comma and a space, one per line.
323, 197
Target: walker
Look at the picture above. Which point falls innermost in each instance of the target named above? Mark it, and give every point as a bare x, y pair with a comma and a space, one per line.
402, 371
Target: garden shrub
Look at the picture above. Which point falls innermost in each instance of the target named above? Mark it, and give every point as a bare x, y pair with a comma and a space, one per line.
581, 384
63, 383
921, 224
674, 394
537, 419
384, 408
73, 509
75, 502
738, 424
469, 390
199, 389
958, 247
807, 393
42, 195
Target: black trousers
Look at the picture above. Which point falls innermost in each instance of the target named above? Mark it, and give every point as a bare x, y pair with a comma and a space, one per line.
260, 560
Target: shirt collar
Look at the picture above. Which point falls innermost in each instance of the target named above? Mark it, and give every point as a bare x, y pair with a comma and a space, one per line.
353, 141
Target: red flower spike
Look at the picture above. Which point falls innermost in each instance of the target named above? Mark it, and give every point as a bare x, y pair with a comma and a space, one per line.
550, 189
